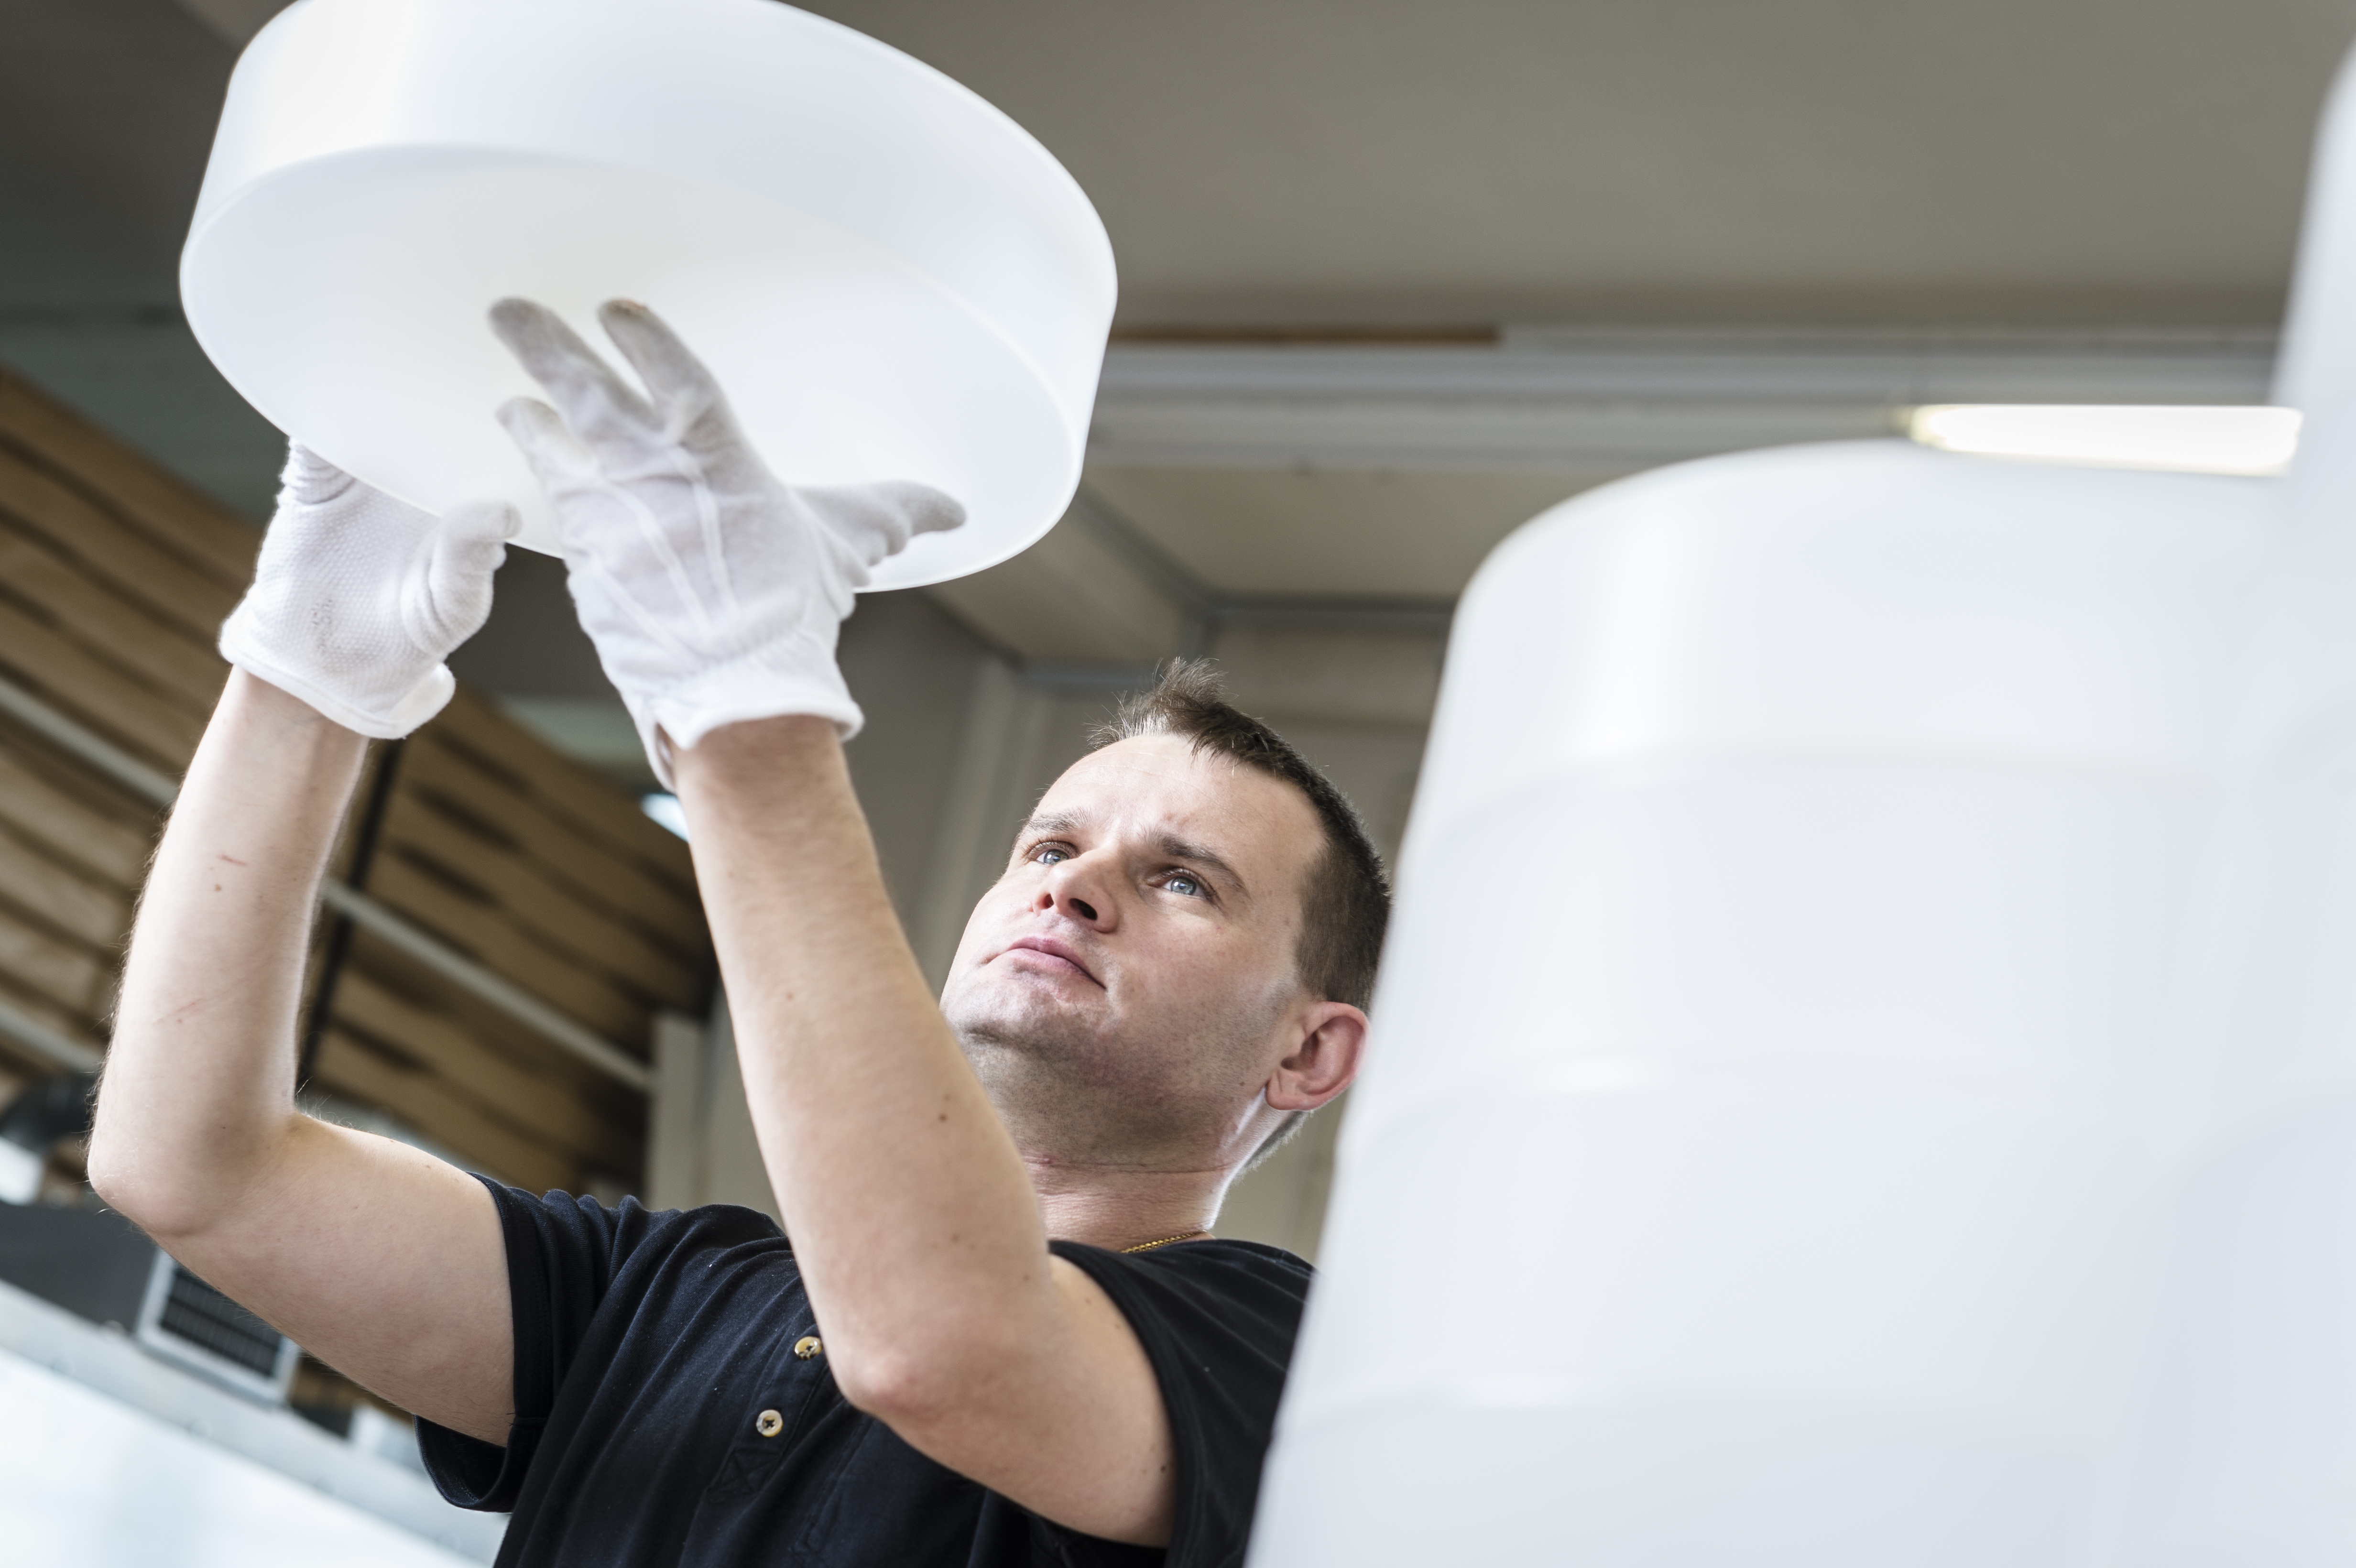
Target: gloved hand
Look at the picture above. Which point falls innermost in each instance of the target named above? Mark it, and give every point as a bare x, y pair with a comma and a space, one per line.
714, 592
357, 598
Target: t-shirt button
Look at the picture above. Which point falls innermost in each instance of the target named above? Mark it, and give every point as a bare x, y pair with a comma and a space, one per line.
769, 1424
808, 1346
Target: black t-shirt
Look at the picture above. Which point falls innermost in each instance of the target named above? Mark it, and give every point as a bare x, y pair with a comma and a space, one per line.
663, 1416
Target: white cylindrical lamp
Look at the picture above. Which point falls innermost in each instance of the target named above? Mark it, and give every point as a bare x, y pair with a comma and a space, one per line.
1749, 1162
890, 277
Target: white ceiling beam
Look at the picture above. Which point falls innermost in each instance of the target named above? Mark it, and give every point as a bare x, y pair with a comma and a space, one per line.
1093, 598
1618, 400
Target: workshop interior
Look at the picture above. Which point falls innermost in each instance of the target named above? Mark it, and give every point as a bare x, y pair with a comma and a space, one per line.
1818, 537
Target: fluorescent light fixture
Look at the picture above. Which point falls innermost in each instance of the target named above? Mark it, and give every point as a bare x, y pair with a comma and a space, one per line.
665, 809
2244, 440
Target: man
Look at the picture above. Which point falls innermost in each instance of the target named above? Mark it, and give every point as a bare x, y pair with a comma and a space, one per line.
1001, 1332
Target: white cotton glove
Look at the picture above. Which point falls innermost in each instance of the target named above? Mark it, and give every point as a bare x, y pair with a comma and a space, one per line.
357, 598
715, 593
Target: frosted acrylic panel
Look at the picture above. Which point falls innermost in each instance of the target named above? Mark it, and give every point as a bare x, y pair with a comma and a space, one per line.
2244, 1436
1768, 1046
890, 277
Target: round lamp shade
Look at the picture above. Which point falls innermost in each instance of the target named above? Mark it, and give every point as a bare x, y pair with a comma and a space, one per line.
891, 278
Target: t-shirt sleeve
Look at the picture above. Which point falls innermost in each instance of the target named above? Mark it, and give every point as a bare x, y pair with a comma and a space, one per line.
563, 1252
1217, 1320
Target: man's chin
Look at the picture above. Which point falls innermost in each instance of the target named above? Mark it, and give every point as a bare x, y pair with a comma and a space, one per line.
1023, 1012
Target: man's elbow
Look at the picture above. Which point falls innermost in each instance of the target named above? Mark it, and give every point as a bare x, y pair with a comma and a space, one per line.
890, 1386
907, 1387
116, 1177
132, 1187
170, 1199
111, 1160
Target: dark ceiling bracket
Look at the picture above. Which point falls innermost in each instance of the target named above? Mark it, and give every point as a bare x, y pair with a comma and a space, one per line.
342, 930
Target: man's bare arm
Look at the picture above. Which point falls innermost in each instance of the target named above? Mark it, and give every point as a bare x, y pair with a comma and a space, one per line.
386, 1262
911, 1215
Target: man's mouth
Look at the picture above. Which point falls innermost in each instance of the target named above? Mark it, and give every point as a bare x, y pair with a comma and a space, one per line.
1047, 952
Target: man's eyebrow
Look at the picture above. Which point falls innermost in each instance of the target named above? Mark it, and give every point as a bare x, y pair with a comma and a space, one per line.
1053, 821
1179, 849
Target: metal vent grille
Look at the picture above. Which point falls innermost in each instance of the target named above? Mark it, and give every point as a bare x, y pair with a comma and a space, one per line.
202, 1315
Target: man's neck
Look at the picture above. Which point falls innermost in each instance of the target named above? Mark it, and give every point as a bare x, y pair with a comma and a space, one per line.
1116, 1206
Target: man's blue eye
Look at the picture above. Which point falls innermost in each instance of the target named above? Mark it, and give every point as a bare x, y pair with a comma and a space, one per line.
1186, 884
1049, 857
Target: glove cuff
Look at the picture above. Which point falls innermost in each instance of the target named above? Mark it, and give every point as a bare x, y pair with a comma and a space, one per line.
405, 713
742, 689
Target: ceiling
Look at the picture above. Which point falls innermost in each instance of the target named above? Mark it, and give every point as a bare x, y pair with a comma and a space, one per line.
1344, 170
1288, 161
1281, 532
1295, 161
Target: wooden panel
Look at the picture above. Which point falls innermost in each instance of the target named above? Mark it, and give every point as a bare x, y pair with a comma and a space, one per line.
348, 1067
63, 971
173, 660
94, 913
496, 1031
67, 826
456, 784
114, 577
527, 896
20, 1065
127, 561
468, 921
74, 1025
192, 525
540, 1107
163, 731
606, 814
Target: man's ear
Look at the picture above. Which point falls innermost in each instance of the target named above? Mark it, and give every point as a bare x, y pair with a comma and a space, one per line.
1332, 1038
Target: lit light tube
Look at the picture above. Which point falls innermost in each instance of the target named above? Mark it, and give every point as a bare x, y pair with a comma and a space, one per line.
2244, 440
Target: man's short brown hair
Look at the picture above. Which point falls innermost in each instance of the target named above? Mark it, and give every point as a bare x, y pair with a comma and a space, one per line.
1347, 900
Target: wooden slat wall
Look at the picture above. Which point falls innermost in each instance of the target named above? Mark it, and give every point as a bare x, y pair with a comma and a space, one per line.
114, 577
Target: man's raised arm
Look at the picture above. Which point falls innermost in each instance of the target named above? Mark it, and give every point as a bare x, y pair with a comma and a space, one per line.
383, 1261
713, 592
913, 1216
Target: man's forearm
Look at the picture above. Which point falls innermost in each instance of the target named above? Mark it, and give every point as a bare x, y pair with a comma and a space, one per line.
377, 1257
911, 1215
898, 1183
199, 1087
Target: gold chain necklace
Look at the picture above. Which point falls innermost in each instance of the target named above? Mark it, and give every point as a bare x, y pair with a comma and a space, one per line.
1181, 1236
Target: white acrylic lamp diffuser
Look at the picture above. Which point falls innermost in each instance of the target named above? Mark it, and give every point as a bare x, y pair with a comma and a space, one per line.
890, 277
1785, 925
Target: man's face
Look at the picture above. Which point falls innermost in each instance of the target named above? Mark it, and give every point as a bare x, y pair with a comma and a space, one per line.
1128, 986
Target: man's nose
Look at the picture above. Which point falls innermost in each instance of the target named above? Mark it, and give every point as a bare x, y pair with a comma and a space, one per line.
1065, 887
1062, 898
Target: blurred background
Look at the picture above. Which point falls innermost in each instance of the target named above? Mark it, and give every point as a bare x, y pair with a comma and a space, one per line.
1395, 278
